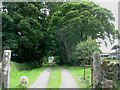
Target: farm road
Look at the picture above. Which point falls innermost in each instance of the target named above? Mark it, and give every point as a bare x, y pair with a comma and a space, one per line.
67, 79
42, 80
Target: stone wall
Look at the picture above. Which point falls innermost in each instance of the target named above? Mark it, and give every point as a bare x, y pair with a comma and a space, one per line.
110, 74
105, 73
119, 73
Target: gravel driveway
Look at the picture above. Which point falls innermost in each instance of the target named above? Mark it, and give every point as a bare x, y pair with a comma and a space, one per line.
42, 80
67, 79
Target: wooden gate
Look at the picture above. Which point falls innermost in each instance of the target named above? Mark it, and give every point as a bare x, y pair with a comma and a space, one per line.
89, 64
95, 71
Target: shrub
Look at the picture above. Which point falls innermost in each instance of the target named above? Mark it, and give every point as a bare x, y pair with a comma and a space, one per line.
84, 50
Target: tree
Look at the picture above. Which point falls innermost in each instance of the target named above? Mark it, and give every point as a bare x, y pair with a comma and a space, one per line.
84, 51
74, 22
53, 6
24, 31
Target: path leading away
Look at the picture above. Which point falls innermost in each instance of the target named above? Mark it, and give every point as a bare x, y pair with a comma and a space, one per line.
42, 80
67, 79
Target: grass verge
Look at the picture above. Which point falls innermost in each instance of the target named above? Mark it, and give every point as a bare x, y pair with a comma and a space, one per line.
78, 74
54, 78
15, 75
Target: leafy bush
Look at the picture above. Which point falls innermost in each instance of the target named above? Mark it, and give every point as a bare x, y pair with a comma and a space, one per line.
84, 51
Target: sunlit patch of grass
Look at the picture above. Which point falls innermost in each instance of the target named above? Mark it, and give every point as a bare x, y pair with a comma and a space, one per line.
15, 75
55, 78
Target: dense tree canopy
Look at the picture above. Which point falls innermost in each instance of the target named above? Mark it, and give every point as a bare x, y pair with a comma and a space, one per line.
24, 30
32, 32
74, 22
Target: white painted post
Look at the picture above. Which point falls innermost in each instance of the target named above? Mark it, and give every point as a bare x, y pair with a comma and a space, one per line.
6, 68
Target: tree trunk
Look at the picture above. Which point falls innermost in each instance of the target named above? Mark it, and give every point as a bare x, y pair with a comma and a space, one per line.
68, 56
67, 50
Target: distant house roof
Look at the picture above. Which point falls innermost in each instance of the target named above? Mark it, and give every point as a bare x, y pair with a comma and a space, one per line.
115, 47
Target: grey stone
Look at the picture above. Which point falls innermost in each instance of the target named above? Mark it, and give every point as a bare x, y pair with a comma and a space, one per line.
105, 74
107, 84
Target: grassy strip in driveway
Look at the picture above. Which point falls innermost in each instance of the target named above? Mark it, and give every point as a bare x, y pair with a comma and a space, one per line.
16, 74
54, 78
78, 74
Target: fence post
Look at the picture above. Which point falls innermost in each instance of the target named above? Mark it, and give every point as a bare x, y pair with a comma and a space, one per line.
6, 68
96, 70
92, 74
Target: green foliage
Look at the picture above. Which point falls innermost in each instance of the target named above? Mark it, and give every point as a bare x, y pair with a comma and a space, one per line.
84, 51
53, 6
24, 32
15, 74
75, 22
85, 17
33, 35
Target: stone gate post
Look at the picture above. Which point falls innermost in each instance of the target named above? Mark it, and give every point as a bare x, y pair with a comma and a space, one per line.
96, 70
6, 68
0, 74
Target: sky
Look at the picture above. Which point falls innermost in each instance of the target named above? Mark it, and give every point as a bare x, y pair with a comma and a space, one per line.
113, 6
